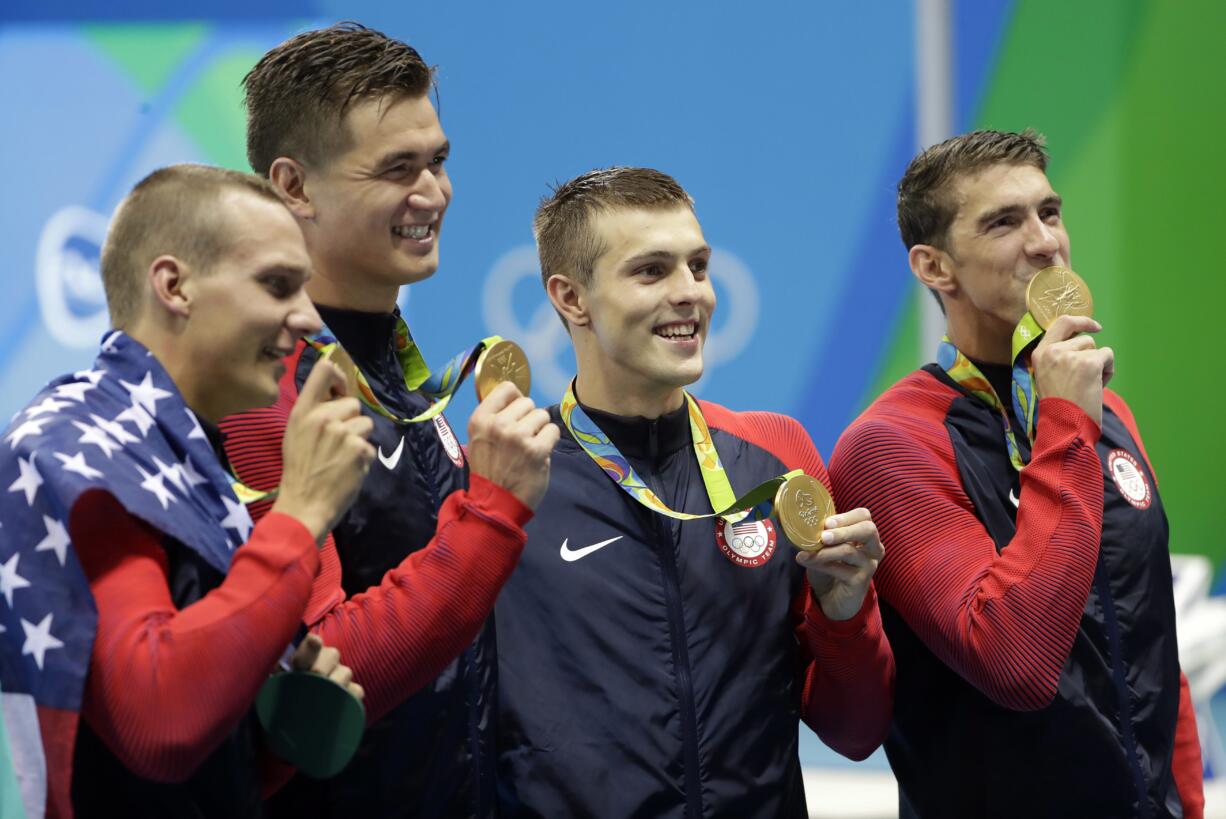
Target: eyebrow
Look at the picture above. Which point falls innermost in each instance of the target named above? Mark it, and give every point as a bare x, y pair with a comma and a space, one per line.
411, 156
991, 216
662, 255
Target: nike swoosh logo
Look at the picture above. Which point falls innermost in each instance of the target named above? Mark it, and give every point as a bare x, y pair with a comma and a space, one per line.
571, 555
1013, 498
390, 462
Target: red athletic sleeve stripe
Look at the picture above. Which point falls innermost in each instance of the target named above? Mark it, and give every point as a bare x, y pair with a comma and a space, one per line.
401, 634
165, 686
848, 668
1005, 622
1186, 766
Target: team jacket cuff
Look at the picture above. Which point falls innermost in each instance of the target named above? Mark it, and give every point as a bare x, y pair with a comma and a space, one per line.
851, 627
497, 501
286, 529
1064, 418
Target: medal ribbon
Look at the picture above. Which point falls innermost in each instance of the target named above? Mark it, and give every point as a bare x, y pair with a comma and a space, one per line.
719, 489
1025, 404
439, 386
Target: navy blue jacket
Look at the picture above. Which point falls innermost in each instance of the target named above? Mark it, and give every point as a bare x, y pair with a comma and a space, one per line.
664, 673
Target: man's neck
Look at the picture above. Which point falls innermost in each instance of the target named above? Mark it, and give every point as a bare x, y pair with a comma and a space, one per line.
981, 338
600, 395
332, 292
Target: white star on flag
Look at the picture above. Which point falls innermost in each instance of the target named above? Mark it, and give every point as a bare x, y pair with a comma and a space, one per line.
56, 540
95, 436
154, 484
29, 480
237, 518
172, 472
77, 464
94, 376
145, 393
48, 404
27, 429
10, 581
197, 431
115, 430
39, 640
137, 415
75, 390
194, 478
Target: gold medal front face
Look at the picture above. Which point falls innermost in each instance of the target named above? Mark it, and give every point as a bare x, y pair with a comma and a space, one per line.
504, 361
1055, 292
802, 505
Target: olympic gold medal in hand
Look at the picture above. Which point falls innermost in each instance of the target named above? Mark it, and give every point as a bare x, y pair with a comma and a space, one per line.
802, 505
1055, 292
502, 361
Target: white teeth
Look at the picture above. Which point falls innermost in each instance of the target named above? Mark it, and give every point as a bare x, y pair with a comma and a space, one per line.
412, 231
674, 330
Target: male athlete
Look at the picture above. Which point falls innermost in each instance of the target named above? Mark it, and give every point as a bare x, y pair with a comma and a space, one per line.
136, 593
341, 123
652, 666
1028, 590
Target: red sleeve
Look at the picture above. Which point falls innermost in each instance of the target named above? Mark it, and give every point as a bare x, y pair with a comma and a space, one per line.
165, 686
1186, 766
401, 634
1004, 621
848, 668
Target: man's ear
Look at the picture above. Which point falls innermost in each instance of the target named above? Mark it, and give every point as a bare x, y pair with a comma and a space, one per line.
288, 177
569, 299
933, 267
169, 279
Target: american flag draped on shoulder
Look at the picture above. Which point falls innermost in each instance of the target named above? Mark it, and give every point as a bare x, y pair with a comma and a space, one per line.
122, 427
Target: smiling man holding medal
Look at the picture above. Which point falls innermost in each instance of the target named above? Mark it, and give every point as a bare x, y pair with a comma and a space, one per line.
142, 611
340, 121
1027, 594
655, 656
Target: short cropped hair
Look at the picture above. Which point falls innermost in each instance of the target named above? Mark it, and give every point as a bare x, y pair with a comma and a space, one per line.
172, 211
565, 240
926, 207
298, 93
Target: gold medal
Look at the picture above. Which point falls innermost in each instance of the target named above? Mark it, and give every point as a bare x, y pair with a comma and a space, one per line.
802, 505
1055, 292
503, 361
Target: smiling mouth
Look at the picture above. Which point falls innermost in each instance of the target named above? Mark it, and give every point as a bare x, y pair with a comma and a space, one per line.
679, 331
417, 233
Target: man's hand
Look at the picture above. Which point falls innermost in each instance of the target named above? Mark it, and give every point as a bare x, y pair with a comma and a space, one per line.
312, 655
1070, 366
839, 574
325, 452
509, 441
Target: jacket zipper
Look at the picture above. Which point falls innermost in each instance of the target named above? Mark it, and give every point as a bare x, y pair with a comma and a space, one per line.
665, 542
1124, 702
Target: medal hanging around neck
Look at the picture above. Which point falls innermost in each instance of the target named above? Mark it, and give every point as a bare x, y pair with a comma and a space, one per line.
1053, 292
491, 361
798, 501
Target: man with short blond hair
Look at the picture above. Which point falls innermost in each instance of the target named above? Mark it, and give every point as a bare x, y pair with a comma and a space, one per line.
653, 665
143, 610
